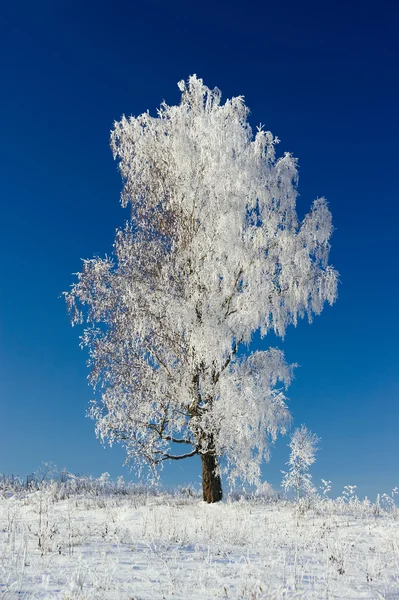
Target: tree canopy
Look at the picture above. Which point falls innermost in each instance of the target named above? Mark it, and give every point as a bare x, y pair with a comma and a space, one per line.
213, 251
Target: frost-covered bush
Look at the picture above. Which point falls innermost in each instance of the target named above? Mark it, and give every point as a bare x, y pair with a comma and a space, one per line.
303, 446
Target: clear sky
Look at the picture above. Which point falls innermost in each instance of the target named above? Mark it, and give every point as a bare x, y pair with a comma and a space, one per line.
322, 76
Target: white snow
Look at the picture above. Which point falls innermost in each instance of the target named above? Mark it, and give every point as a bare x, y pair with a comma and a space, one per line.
144, 546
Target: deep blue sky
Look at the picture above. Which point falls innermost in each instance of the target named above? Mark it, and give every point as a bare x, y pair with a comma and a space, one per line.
323, 78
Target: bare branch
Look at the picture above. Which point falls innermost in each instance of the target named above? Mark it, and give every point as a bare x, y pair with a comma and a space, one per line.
166, 456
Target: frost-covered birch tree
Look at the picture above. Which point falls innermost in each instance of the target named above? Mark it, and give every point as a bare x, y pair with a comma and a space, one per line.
212, 252
303, 446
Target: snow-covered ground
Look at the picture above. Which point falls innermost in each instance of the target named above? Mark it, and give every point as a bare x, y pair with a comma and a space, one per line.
143, 546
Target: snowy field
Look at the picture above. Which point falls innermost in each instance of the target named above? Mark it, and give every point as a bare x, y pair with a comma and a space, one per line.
94, 541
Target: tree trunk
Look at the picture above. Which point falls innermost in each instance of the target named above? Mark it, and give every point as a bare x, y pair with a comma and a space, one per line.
211, 482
